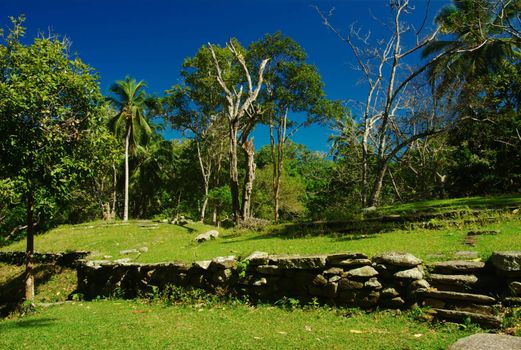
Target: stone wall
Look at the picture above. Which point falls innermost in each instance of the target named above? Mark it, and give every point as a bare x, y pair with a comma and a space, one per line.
454, 290
349, 279
67, 259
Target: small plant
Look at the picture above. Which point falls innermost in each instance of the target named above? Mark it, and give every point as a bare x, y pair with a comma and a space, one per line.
313, 304
242, 267
26, 308
117, 293
77, 297
288, 303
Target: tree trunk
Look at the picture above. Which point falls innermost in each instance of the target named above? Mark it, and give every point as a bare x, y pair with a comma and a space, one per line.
29, 278
234, 174
217, 207
214, 215
206, 173
127, 143
277, 159
249, 153
365, 141
395, 186
378, 183
205, 203
114, 194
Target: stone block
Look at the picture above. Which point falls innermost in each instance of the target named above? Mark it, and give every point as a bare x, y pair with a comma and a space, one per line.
311, 262
258, 258
268, 269
397, 259
458, 267
363, 272
410, 274
508, 263
223, 262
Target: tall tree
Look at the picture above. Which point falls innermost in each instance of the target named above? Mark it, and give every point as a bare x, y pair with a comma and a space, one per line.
241, 114
294, 88
129, 99
50, 106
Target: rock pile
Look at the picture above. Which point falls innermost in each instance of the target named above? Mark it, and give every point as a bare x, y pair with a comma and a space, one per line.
402, 276
345, 278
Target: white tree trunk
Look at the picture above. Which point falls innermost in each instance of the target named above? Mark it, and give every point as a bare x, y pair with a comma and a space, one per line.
127, 143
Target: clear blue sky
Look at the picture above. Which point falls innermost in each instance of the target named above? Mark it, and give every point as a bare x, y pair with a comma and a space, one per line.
149, 39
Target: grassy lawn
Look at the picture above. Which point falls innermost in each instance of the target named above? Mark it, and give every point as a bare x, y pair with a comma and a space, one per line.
136, 325
167, 242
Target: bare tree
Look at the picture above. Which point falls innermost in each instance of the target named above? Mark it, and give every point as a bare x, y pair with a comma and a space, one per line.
389, 122
239, 112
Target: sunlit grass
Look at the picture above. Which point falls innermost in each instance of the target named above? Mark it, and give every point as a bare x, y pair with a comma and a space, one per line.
136, 325
167, 242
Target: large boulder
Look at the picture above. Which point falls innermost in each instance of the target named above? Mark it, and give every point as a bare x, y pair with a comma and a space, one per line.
223, 262
507, 262
484, 341
397, 259
203, 237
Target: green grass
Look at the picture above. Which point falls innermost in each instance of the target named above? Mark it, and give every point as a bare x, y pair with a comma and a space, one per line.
136, 325
445, 205
167, 242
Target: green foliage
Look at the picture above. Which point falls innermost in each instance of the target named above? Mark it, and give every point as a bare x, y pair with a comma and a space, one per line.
51, 109
242, 267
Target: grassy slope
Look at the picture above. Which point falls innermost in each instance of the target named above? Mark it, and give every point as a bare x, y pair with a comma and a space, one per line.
169, 242
444, 205
134, 325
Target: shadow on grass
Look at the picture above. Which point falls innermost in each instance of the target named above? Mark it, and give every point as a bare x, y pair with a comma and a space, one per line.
41, 322
347, 230
470, 203
188, 229
12, 291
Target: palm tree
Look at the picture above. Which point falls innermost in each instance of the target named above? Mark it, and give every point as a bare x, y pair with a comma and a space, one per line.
129, 99
477, 41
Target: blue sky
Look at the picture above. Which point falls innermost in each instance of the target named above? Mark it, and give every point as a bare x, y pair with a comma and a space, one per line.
149, 39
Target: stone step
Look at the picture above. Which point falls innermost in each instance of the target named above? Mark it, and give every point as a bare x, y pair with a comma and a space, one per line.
483, 320
458, 280
457, 305
465, 297
457, 267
